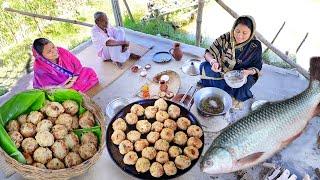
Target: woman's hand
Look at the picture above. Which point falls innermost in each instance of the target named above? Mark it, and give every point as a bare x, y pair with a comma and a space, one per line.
247, 72
70, 82
215, 67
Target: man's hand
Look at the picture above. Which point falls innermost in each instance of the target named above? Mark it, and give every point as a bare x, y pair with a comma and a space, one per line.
125, 46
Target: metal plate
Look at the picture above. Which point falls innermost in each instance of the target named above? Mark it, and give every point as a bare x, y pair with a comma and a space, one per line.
161, 57
130, 169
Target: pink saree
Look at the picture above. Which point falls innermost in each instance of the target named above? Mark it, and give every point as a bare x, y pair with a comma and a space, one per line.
47, 73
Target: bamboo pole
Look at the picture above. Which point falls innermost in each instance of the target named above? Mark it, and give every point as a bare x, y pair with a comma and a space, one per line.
304, 39
174, 10
117, 12
268, 44
50, 18
128, 9
199, 22
275, 37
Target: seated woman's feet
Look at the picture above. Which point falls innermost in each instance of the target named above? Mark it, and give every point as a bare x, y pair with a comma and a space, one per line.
237, 104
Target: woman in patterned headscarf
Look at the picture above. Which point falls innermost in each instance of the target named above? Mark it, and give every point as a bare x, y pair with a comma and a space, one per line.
235, 50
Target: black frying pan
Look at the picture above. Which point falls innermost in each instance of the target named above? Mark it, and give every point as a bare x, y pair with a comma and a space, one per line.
130, 169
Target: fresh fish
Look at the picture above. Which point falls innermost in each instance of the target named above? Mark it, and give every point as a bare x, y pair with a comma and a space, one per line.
265, 131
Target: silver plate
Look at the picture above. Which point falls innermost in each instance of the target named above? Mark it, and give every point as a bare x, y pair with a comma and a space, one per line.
161, 57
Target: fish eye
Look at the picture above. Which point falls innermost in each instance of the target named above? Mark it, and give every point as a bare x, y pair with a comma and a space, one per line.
209, 163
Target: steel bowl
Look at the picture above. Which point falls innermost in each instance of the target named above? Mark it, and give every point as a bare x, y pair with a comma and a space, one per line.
213, 92
115, 106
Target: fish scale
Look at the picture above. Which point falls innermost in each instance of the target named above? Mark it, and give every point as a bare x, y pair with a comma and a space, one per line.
262, 133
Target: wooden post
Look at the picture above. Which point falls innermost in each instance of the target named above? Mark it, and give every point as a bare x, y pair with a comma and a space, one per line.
48, 17
128, 9
116, 12
199, 22
268, 44
275, 37
304, 39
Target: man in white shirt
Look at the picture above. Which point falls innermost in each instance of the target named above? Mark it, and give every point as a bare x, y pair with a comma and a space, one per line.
109, 41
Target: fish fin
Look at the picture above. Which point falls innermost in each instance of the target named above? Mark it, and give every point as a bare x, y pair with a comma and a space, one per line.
316, 112
288, 141
250, 158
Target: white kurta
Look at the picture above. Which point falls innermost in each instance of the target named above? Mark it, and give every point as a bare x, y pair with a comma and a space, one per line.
99, 39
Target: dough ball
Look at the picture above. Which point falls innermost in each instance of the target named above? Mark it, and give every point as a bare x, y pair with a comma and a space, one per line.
180, 138
119, 124
86, 120
71, 140
161, 104
140, 145
169, 123
150, 112
89, 137
162, 145
29, 145
133, 136
42, 155
152, 137
161, 116
182, 162
59, 149
130, 158
22, 118
34, 117
44, 125
195, 142
174, 151
65, 119
16, 137
143, 126
28, 158
162, 157
174, 111
194, 131
118, 136
137, 109
183, 123
72, 159
28, 130
59, 131
87, 151
156, 169
170, 168
55, 163
54, 109
191, 152
157, 126
13, 125
75, 122
142, 165
44, 138
125, 146
70, 107
167, 134
39, 165
149, 153
131, 118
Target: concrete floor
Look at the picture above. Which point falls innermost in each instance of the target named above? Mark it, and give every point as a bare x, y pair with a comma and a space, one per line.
301, 156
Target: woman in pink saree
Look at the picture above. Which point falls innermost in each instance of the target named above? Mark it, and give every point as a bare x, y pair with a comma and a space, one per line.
57, 67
